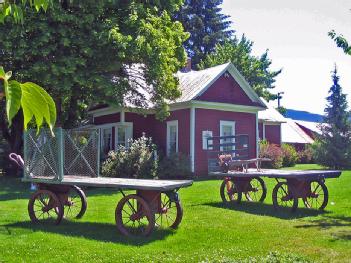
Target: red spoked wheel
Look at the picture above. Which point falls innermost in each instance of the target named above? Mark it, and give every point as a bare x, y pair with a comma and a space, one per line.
282, 198
229, 192
75, 204
134, 216
318, 197
170, 214
257, 190
45, 207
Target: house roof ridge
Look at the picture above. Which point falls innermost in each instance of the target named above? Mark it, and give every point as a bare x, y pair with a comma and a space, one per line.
203, 70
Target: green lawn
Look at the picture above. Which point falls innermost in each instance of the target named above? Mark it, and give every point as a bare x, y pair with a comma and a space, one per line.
209, 231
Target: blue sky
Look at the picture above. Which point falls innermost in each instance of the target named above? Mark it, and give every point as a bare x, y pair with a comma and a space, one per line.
296, 34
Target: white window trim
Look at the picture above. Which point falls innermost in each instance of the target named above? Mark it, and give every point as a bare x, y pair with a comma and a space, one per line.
169, 124
115, 125
106, 126
226, 123
121, 124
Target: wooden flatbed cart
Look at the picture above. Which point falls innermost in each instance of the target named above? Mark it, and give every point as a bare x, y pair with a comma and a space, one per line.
60, 165
228, 159
309, 185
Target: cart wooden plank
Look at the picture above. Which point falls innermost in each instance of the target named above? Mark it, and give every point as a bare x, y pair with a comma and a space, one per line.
121, 183
283, 174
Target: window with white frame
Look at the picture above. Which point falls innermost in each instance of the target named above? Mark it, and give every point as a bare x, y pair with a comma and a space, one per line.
124, 132
205, 141
172, 137
227, 128
121, 133
106, 140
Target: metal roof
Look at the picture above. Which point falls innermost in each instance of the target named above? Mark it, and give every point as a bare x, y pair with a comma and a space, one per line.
270, 114
313, 126
193, 82
292, 133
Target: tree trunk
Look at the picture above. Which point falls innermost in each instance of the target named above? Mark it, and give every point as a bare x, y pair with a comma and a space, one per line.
72, 115
14, 139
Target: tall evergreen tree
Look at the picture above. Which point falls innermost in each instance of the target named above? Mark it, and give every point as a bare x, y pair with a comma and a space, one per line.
207, 26
256, 70
333, 147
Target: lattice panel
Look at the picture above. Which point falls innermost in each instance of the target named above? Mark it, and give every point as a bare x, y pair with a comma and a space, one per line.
69, 152
80, 152
41, 154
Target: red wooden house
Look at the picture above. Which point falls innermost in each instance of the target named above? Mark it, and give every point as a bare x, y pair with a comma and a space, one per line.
214, 101
270, 124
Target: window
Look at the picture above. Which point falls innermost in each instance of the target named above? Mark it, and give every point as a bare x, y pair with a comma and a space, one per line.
205, 141
227, 128
172, 137
118, 133
124, 132
106, 140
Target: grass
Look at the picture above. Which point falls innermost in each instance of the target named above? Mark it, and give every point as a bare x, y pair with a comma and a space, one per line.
210, 231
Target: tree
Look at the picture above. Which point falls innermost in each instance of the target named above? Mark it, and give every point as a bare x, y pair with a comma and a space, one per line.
341, 42
207, 26
333, 146
34, 101
76, 49
256, 70
97, 51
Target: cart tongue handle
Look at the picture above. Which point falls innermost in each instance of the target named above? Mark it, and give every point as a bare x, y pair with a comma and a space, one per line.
17, 159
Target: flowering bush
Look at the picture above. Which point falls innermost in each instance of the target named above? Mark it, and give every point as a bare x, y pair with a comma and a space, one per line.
137, 161
273, 152
290, 156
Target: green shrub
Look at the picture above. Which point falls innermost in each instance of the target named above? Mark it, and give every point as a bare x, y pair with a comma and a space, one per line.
326, 154
273, 152
290, 156
175, 166
137, 161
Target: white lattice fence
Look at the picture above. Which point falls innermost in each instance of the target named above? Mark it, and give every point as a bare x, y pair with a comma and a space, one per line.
69, 152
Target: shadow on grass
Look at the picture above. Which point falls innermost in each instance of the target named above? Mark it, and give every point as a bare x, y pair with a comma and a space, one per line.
104, 232
13, 188
340, 225
257, 208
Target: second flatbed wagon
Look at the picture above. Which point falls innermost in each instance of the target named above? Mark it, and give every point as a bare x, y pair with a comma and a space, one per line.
228, 159
309, 185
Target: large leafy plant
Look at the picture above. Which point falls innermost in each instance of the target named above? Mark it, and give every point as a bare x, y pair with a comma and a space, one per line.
35, 102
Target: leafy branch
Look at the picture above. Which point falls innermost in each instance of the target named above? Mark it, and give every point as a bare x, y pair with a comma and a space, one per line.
341, 42
35, 101
15, 9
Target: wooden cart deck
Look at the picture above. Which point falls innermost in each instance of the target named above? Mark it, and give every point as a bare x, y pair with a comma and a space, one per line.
291, 185
120, 183
283, 174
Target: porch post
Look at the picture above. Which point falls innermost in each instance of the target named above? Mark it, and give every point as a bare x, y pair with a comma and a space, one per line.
192, 138
122, 116
257, 135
